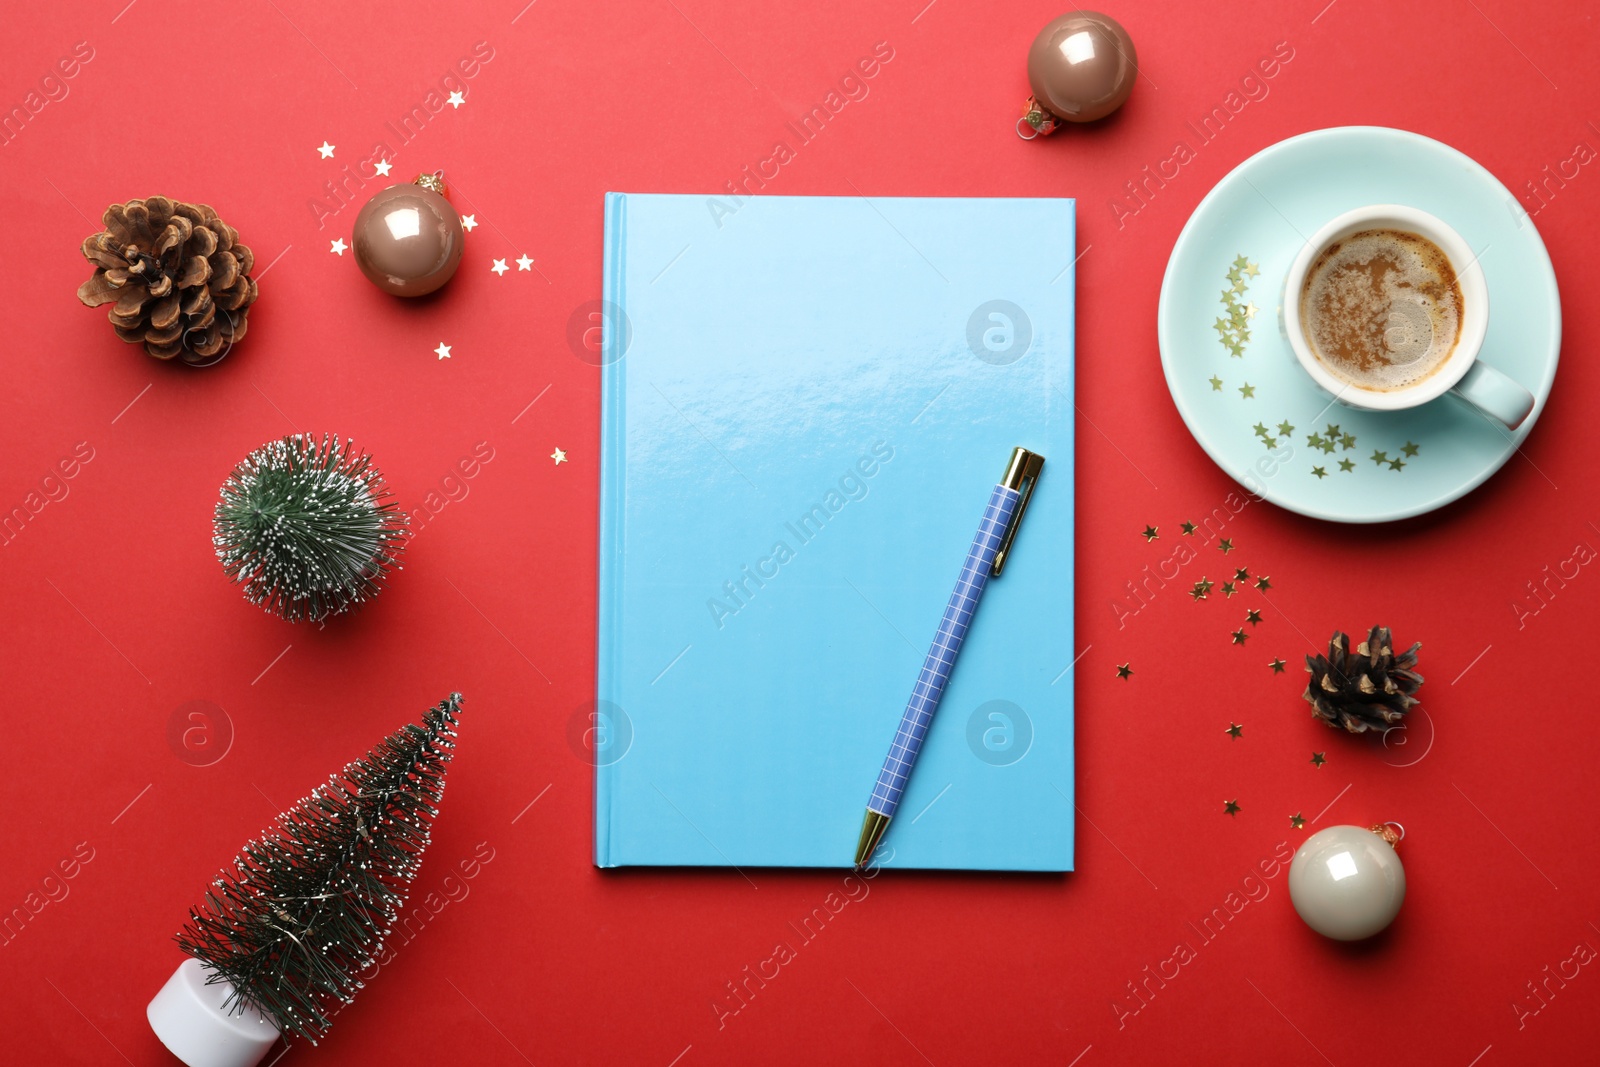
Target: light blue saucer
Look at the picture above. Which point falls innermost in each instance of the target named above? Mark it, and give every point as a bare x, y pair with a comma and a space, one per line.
1257, 414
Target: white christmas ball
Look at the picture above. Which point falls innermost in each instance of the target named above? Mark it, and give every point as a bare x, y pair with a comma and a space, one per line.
1347, 883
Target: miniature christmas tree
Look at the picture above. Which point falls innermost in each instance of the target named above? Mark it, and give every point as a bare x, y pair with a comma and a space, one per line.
306, 907
308, 526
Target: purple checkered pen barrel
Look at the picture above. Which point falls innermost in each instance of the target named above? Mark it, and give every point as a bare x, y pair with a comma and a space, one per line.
985, 558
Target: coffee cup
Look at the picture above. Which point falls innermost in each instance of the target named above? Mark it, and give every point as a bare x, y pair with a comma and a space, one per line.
1425, 364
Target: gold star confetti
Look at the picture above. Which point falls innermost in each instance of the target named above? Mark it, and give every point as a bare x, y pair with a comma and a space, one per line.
1297, 821
1277, 666
1216, 384
1247, 390
1320, 472
1240, 285
1188, 529
1251, 269
1234, 731
1260, 429
1233, 274
500, 267
456, 100
469, 222
1252, 616
1201, 588
1227, 589
1124, 671
1379, 458
559, 456
1318, 759
443, 351
1410, 449
1396, 463
1239, 636
1241, 575
1235, 349
1151, 534
1348, 441
338, 246
1347, 465
1250, 310
383, 166
1231, 807
1264, 582
326, 150
1314, 440
524, 262
1285, 428
1225, 546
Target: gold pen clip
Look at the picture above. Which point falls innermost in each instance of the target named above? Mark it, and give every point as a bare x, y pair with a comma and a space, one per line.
1022, 473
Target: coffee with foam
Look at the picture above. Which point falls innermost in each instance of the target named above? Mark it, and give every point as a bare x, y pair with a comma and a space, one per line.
1382, 309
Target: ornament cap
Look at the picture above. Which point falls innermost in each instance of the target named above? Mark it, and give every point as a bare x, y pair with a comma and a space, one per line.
189, 1017
433, 182
1036, 121
1391, 832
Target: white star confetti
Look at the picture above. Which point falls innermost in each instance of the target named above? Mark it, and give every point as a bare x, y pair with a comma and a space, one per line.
456, 100
443, 350
383, 166
559, 456
500, 266
326, 149
469, 222
525, 262
338, 246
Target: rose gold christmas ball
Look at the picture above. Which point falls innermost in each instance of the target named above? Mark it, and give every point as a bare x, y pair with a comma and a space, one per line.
408, 240
1082, 66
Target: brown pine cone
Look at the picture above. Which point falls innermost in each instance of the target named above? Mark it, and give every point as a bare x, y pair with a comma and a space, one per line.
178, 276
1370, 690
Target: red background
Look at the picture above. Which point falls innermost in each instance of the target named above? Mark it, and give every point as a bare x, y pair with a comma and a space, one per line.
117, 613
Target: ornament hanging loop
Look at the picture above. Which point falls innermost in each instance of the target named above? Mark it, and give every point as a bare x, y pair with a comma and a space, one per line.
1391, 832
1025, 130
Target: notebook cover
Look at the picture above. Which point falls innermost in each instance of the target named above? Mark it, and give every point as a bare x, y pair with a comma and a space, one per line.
805, 404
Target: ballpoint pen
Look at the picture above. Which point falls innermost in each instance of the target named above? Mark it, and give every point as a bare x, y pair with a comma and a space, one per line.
990, 547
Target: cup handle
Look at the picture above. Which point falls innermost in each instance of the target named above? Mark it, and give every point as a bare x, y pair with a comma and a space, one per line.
1494, 394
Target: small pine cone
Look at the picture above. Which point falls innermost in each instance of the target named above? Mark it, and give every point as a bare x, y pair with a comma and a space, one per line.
1370, 689
178, 277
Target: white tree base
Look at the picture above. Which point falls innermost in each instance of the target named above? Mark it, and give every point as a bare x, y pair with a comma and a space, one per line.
188, 1016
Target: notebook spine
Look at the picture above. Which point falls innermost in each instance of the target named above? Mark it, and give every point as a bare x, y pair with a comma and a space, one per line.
613, 500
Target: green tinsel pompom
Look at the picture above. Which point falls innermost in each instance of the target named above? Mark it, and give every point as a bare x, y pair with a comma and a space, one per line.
309, 527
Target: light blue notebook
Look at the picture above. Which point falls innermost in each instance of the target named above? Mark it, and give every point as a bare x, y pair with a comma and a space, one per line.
806, 403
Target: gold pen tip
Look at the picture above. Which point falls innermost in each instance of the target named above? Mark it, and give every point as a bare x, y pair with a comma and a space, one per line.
873, 827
